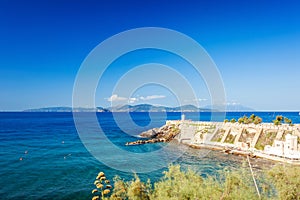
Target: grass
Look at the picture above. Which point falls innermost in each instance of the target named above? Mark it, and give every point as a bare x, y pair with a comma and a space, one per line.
266, 138
246, 135
230, 139
218, 136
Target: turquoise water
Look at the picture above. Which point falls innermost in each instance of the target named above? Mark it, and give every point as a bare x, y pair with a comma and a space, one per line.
56, 165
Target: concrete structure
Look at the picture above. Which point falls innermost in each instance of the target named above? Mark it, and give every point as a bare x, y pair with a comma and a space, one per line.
244, 137
287, 148
291, 142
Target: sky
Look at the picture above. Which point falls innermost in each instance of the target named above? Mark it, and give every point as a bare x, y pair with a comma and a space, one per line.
254, 44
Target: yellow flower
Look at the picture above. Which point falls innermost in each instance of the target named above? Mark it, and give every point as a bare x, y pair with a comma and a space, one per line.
96, 182
107, 181
95, 198
99, 185
94, 191
101, 174
98, 177
106, 191
102, 178
108, 186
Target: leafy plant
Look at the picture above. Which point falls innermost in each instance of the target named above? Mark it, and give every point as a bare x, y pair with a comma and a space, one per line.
138, 190
233, 120
281, 182
279, 118
252, 119
257, 120
241, 120
286, 179
276, 122
288, 121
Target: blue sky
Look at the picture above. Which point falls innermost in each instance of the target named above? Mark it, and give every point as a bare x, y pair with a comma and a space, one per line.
255, 45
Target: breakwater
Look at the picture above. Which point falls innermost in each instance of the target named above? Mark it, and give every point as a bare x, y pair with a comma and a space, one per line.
264, 140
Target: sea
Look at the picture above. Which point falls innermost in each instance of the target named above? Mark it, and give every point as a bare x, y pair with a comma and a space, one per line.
42, 155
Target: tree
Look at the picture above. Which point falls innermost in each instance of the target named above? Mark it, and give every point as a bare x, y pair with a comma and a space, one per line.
138, 190
257, 120
288, 121
247, 120
120, 189
276, 122
233, 120
226, 120
252, 117
279, 118
241, 120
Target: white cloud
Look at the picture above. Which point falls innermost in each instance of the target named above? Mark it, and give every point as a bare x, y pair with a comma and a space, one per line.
151, 97
232, 103
115, 97
133, 100
196, 100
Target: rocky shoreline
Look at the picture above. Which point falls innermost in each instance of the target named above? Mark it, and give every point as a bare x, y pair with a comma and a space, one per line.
167, 133
163, 134
266, 140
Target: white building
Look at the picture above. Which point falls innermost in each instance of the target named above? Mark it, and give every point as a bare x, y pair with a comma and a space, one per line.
182, 117
290, 144
276, 149
287, 148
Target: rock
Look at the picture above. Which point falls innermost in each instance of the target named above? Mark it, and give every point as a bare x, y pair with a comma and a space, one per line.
150, 133
163, 134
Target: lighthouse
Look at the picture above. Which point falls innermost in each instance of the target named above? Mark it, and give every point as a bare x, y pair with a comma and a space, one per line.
182, 117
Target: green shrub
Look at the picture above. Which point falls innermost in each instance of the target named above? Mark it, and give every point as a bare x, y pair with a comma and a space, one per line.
276, 122
279, 118
252, 119
281, 182
286, 179
257, 120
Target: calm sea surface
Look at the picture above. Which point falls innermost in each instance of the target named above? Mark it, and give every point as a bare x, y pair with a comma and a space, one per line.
56, 165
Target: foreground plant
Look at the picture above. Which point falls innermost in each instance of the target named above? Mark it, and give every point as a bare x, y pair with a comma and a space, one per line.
102, 187
281, 182
133, 190
286, 179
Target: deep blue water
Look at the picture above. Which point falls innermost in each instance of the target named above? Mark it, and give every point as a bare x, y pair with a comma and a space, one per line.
56, 165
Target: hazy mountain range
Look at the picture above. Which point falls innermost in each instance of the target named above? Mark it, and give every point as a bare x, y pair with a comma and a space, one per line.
140, 108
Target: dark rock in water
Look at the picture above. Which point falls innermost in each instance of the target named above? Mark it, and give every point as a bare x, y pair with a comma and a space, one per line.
163, 134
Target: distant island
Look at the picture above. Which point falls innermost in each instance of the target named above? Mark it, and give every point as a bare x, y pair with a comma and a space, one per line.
66, 109
139, 108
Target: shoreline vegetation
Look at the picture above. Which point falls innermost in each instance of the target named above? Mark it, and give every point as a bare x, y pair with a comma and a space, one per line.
281, 182
247, 136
